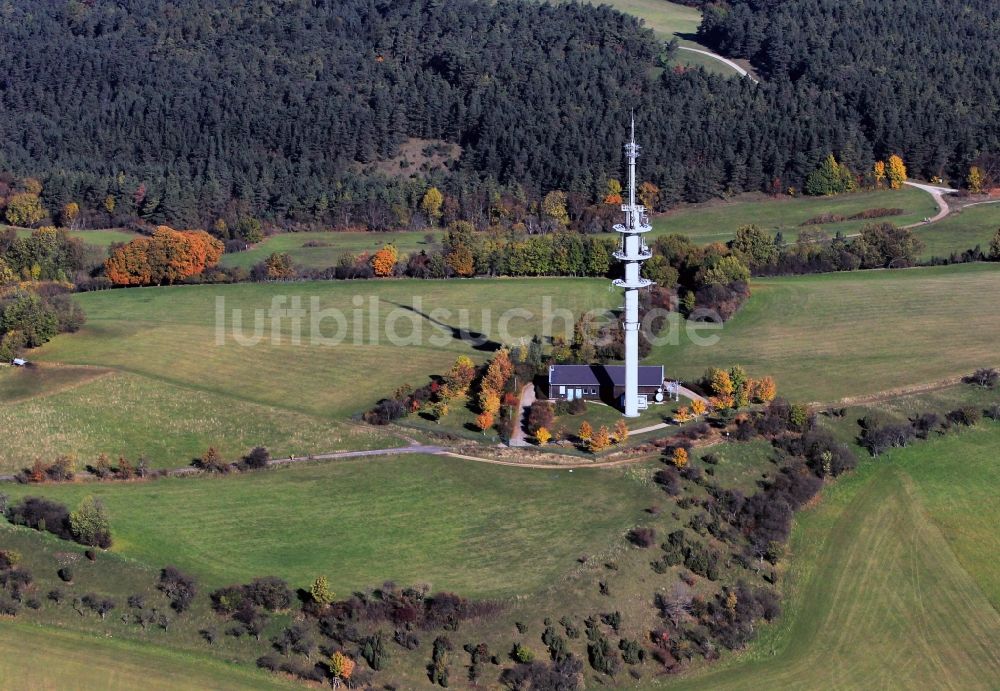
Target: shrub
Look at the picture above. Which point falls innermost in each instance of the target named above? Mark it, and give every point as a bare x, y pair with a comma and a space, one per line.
521, 654
984, 377
41, 514
632, 652
271, 593
258, 458
91, 524
375, 651
179, 588
642, 537
65, 574
966, 415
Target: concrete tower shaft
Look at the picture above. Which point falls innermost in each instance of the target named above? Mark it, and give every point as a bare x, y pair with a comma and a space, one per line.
632, 252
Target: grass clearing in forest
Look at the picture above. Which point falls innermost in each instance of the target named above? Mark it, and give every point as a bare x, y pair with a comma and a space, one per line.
719, 221
321, 250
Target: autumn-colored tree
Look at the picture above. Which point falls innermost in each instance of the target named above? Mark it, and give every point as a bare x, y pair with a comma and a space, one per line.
320, 591
461, 261
722, 402
24, 209
460, 376
212, 459
554, 208
166, 257
499, 371
648, 194
586, 432
683, 414
620, 433
437, 410
975, 179
341, 666
70, 212
279, 266
484, 421
126, 471
109, 204
384, 261
32, 185
698, 407
679, 457
489, 401
896, 172
614, 192
37, 472
721, 382
431, 204
601, 440
7, 274
543, 436
765, 390
879, 171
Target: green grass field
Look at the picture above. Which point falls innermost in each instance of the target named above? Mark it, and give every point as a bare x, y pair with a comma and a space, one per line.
477, 529
960, 231
336, 244
668, 20
87, 412
831, 336
45, 657
718, 221
97, 238
876, 600
170, 335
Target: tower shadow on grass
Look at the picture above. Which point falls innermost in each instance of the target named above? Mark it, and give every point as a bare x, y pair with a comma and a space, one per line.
475, 339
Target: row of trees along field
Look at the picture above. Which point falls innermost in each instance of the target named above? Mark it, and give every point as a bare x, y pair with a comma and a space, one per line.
286, 115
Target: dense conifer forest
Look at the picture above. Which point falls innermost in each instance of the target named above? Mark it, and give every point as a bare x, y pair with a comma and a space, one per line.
186, 111
919, 76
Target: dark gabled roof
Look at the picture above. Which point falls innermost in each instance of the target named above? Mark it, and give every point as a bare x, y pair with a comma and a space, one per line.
602, 375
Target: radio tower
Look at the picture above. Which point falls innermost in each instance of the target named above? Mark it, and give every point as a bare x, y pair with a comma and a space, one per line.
632, 253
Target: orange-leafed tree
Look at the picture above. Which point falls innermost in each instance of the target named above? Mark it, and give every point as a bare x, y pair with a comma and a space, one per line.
620, 433
279, 266
499, 371
601, 439
683, 414
765, 390
384, 261
484, 421
166, 257
341, 666
128, 265
698, 407
614, 192
586, 432
679, 457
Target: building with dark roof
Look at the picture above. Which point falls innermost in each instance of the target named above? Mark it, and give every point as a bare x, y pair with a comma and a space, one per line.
602, 382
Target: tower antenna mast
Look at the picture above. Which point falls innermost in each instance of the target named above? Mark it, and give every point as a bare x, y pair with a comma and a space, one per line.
632, 252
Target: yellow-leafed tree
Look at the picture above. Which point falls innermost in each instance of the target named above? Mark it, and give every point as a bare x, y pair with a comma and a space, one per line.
586, 431
543, 436
679, 457
896, 172
620, 433
601, 440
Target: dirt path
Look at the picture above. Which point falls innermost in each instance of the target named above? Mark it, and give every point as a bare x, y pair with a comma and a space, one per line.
726, 61
527, 398
938, 193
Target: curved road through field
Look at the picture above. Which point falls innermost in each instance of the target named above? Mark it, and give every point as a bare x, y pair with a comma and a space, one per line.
726, 61
938, 193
